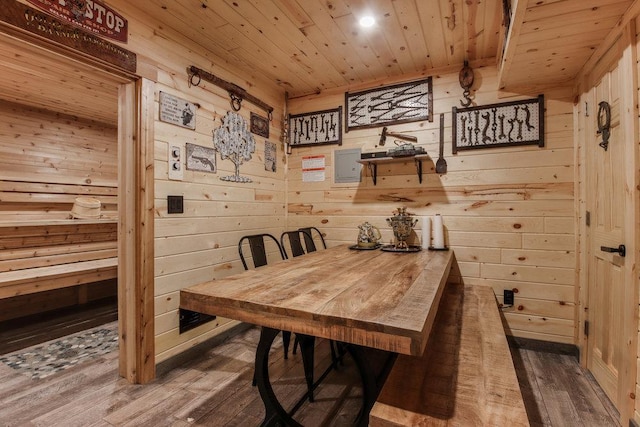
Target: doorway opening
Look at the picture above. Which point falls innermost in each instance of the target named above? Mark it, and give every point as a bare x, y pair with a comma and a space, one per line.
59, 121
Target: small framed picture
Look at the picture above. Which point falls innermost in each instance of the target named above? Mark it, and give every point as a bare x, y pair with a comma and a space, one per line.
259, 125
199, 158
270, 156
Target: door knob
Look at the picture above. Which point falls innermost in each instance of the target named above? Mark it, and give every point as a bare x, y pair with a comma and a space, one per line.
619, 250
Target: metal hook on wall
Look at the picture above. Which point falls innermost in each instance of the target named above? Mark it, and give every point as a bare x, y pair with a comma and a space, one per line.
466, 81
236, 101
192, 77
466, 94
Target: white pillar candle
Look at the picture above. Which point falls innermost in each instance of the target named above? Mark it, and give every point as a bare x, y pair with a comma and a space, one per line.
438, 232
426, 232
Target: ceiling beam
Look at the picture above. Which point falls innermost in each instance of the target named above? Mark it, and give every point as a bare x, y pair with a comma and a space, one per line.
517, 20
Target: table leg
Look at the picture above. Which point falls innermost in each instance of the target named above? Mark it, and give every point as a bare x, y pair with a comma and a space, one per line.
307, 348
275, 415
371, 382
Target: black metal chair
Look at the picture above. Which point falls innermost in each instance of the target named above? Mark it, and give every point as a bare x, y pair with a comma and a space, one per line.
308, 238
295, 239
258, 248
257, 245
336, 350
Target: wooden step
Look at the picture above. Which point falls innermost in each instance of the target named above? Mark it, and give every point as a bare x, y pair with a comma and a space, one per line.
21, 282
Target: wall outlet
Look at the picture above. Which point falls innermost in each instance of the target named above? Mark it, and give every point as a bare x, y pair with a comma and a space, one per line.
508, 298
176, 165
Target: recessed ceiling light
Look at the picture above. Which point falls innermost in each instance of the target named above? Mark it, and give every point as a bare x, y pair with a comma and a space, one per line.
367, 21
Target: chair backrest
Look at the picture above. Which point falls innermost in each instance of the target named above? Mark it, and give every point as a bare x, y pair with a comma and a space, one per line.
308, 238
295, 239
258, 247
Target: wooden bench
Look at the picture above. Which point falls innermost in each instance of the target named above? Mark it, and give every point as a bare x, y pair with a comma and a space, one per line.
38, 256
466, 375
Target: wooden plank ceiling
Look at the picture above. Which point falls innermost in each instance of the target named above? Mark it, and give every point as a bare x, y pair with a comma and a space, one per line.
307, 46
551, 40
35, 77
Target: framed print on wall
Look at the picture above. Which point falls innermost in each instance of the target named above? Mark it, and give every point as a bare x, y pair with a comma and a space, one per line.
499, 125
389, 105
259, 125
316, 128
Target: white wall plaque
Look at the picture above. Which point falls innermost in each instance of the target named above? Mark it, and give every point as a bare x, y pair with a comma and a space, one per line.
177, 111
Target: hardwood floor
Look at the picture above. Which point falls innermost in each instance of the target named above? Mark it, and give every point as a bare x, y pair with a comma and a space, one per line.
558, 392
211, 386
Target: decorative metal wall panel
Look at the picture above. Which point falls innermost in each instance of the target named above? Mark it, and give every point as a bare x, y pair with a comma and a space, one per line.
499, 125
234, 142
400, 103
321, 127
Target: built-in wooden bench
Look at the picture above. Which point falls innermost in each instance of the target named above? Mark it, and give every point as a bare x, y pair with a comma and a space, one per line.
38, 256
466, 375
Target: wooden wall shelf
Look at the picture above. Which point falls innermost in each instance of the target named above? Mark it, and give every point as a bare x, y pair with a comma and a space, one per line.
373, 163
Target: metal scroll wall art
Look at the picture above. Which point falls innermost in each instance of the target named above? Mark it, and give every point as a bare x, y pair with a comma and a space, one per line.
234, 141
405, 102
498, 125
320, 127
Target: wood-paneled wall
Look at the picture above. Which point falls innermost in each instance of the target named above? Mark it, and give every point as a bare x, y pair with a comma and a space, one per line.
636, 414
201, 244
47, 159
508, 212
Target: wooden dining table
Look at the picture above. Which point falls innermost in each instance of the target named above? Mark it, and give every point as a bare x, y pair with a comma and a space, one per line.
365, 299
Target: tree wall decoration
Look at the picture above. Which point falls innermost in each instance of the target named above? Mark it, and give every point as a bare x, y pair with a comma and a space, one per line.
234, 141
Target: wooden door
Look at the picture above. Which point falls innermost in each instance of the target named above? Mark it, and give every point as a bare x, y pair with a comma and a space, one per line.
610, 178
607, 229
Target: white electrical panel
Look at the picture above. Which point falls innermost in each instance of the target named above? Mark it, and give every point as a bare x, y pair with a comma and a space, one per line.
176, 165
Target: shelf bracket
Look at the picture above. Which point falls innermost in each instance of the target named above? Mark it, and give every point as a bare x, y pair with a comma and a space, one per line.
372, 164
373, 170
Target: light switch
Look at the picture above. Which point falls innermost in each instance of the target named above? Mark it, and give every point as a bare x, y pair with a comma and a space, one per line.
176, 154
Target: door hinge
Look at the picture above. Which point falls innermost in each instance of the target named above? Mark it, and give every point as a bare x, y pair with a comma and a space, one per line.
586, 328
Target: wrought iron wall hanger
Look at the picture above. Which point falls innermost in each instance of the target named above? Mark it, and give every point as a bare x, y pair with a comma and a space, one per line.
604, 123
466, 81
236, 93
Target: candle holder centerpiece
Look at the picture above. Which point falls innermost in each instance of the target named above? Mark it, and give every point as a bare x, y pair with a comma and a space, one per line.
402, 224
